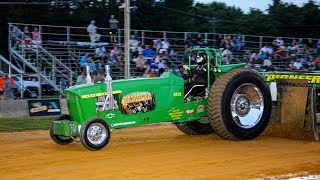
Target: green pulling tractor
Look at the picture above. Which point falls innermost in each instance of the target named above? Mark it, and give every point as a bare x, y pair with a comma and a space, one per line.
235, 103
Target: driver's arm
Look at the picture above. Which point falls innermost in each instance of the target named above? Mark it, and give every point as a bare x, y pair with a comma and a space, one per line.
188, 74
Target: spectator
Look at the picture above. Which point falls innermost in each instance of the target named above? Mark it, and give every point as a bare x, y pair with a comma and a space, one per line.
267, 64
300, 43
135, 53
282, 53
265, 52
152, 74
293, 47
114, 52
136, 35
87, 61
94, 36
1, 82
36, 38
199, 41
186, 53
133, 43
81, 79
26, 36
189, 41
113, 25
267, 49
8, 89
254, 58
15, 35
63, 83
220, 41
119, 58
26, 33
16, 32
318, 46
279, 41
156, 44
147, 67
238, 43
146, 73
148, 52
274, 46
297, 65
227, 55
304, 61
152, 63
97, 64
310, 45
101, 52
161, 66
98, 77
165, 46
316, 63
140, 63
230, 42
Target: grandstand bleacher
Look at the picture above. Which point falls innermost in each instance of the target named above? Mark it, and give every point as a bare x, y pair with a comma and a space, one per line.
58, 53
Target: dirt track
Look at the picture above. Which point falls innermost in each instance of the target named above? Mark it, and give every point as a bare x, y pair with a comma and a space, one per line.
157, 151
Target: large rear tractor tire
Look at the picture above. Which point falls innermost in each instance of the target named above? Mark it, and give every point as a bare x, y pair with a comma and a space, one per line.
239, 105
199, 127
95, 134
63, 140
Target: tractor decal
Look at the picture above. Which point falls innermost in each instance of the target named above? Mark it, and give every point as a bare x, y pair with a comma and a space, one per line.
272, 77
177, 94
175, 114
99, 94
137, 102
200, 108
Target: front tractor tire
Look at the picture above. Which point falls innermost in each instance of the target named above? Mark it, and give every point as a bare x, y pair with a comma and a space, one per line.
199, 127
63, 140
239, 105
95, 134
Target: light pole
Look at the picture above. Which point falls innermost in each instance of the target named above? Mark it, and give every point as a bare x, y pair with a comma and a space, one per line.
126, 39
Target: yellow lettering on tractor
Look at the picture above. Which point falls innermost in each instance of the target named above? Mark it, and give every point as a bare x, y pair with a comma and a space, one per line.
271, 77
311, 78
293, 76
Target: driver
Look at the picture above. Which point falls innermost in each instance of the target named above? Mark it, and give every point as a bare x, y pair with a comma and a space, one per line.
198, 76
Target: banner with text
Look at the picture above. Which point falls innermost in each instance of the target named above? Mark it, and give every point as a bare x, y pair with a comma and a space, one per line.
44, 107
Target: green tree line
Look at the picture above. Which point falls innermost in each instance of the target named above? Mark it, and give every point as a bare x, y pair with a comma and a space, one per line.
281, 19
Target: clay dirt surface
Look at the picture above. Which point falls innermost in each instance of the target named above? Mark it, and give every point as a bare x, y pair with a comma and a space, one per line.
158, 152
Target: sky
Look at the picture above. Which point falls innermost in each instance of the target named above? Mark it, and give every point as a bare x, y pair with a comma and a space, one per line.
258, 4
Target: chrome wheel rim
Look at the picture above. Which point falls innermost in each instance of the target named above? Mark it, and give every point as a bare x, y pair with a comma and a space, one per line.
96, 133
247, 105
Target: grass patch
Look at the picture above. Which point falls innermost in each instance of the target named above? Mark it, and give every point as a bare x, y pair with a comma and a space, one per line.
25, 123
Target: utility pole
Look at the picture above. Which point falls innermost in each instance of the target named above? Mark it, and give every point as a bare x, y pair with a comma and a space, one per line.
126, 39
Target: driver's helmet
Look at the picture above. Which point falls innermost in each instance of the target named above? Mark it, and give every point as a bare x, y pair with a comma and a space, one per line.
201, 59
